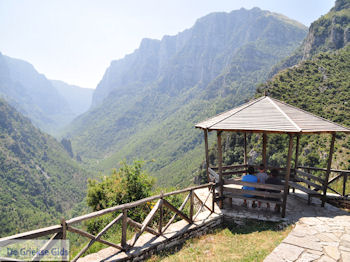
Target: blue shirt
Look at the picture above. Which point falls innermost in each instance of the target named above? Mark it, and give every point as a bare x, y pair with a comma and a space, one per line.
249, 178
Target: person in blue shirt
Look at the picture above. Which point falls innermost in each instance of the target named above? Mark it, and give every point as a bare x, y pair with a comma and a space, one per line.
249, 177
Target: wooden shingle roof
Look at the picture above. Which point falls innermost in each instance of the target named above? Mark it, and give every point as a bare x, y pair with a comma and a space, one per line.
266, 114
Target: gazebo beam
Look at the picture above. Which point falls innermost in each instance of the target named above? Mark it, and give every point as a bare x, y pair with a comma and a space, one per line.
286, 184
221, 182
329, 165
264, 157
206, 153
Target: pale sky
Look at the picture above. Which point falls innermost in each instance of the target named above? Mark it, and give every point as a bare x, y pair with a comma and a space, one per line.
75, 40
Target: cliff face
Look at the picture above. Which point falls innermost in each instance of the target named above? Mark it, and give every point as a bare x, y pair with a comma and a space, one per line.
197, 55
330, 32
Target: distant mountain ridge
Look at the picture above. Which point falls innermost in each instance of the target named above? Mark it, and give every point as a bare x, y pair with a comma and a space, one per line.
78, 98
39, 181
37, 97
146, 105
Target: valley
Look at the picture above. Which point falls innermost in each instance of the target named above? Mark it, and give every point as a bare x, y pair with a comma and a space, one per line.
64, 149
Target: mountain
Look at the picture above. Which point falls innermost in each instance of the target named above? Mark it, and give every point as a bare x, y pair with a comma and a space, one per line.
78, 98
34, 95
214, 40
39, 182
328, 33
147, 103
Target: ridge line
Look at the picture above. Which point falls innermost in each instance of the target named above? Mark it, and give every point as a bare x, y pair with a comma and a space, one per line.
285, 115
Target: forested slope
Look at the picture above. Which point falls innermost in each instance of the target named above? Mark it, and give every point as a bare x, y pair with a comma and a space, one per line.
38, 180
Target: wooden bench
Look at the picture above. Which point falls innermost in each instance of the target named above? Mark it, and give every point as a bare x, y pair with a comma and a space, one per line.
263, 200
261, 196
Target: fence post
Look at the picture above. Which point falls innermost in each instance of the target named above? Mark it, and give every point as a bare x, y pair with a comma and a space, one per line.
160, 226
308, 186
345, 178
308, 170
124, 226
213, 198
64, 237
191, 205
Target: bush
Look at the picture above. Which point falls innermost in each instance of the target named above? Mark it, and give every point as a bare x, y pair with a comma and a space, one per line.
128, 184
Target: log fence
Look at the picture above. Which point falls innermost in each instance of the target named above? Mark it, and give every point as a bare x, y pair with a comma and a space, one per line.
302, 174
60, 231
337, 175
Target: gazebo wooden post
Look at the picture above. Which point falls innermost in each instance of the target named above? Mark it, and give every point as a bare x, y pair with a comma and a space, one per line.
297, 152
286, 185
264, 158
329, 165
296, 157
206, 153
221, 184
245, 149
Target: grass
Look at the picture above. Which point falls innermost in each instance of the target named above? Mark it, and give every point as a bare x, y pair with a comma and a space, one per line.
232, 242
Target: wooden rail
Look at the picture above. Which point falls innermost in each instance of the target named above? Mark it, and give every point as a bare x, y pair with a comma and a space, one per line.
340, 174
59, 231
242, 169
230, 167
324, 169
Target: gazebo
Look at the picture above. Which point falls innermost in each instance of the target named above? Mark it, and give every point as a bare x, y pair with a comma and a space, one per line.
267, 115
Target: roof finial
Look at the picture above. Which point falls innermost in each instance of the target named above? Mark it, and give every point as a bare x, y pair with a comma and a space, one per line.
265, 92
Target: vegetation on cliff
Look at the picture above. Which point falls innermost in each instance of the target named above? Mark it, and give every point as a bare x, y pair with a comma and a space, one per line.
39, 182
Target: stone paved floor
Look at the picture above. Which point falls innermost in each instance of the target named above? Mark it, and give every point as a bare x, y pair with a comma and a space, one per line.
315, 239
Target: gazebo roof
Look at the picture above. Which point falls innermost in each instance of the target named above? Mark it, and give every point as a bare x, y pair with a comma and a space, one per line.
266, 114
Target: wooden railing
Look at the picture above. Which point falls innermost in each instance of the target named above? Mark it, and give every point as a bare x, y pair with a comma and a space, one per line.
296, 175
232, 170
242, 169
59, 231
338, 175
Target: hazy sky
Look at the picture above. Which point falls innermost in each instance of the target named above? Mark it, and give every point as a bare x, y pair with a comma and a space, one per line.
75, 40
